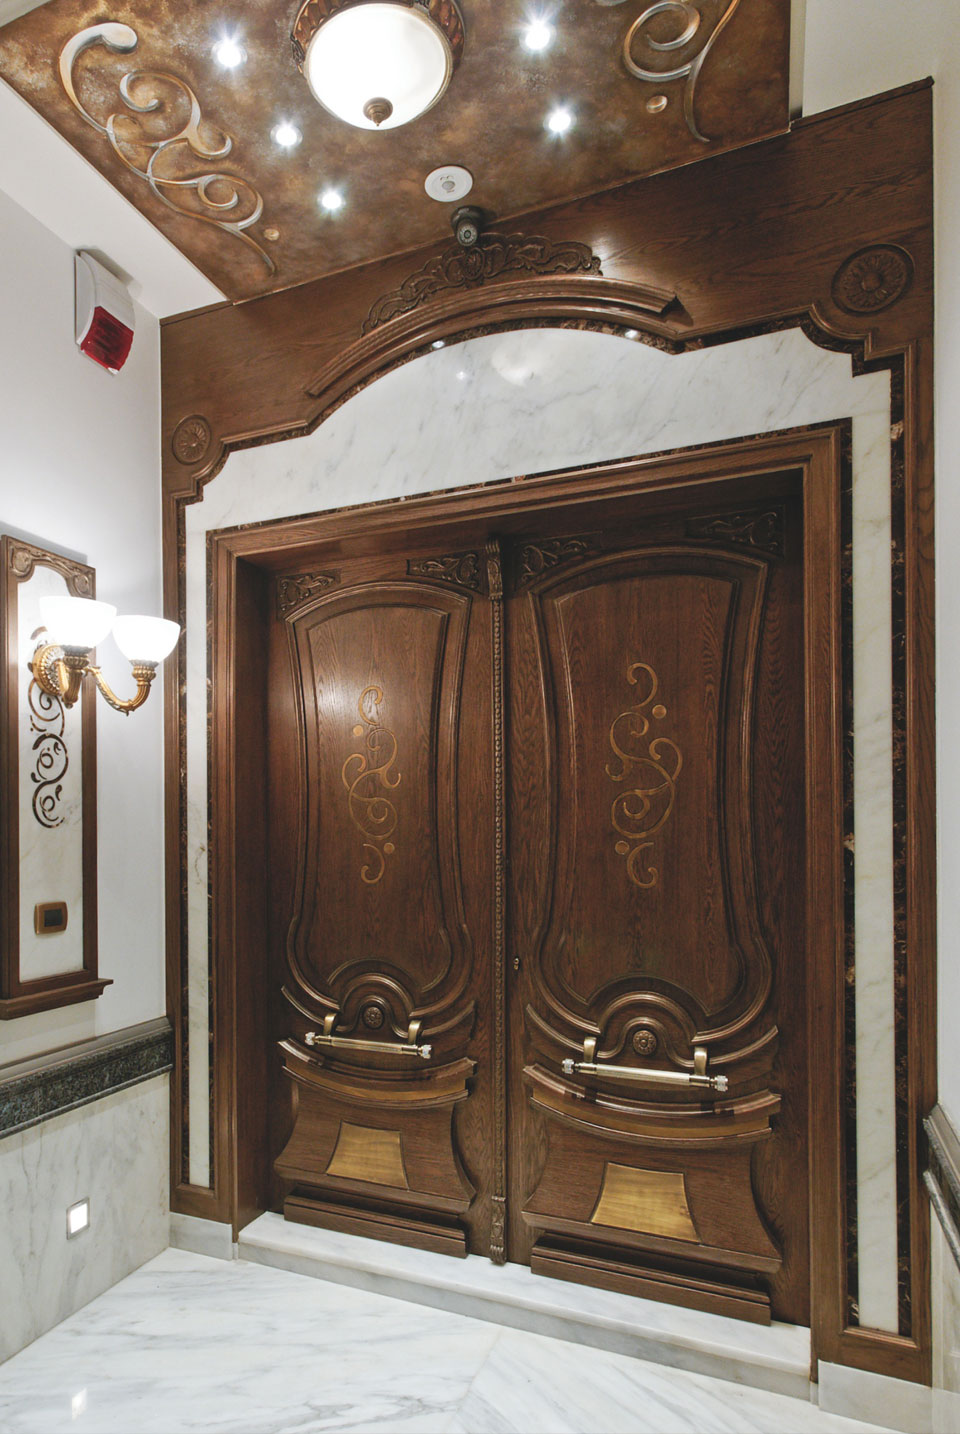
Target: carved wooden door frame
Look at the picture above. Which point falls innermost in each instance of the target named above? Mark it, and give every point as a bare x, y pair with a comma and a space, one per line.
239, 563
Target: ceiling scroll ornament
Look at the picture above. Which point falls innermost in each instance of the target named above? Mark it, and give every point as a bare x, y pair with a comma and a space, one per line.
489, 257
690, 19
872, 279
145, 138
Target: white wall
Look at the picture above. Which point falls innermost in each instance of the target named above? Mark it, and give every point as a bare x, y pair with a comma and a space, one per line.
80, 470
856, 48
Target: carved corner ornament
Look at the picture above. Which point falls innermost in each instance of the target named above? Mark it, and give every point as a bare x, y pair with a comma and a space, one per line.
295, 590
152, 140
460, 570
760, 529
535, 559
492, 256
873, 279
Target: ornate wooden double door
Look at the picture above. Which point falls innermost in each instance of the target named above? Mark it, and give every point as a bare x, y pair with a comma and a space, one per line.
537, 863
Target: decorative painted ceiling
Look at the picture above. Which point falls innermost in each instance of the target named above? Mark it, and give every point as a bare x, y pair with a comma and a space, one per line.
135, 88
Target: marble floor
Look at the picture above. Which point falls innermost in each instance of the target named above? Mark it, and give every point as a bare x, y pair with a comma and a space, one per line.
188, 1343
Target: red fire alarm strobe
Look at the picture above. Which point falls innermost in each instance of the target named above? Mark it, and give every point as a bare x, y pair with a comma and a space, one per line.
104, 314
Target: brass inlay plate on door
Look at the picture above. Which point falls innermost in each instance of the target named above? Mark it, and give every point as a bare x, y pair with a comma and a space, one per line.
364, 1153
652, 1202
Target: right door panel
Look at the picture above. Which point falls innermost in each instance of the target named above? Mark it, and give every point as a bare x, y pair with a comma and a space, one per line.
656, 906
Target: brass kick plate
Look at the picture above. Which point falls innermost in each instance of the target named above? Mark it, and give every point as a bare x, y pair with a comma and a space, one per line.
652, 1202
363, 1153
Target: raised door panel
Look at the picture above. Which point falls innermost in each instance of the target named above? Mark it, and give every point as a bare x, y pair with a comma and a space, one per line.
389, 688
655, 736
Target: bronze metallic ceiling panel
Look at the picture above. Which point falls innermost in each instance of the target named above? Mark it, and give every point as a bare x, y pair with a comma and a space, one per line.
134, 87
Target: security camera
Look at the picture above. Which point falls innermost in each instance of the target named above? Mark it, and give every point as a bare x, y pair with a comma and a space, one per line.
467, 225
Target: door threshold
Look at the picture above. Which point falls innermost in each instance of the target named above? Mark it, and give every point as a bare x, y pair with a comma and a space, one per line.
774, 1357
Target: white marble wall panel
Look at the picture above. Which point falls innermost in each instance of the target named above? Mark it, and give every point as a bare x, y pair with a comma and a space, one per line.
50, 808
115, 1152
536, 400
945, 1291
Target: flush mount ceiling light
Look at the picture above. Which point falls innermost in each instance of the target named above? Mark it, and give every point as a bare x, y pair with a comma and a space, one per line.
378, 63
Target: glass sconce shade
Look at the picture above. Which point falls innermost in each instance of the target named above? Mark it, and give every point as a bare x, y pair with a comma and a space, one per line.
378, 65
145, 639
77, 623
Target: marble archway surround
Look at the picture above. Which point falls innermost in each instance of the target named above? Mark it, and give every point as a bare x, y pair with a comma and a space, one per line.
535, 400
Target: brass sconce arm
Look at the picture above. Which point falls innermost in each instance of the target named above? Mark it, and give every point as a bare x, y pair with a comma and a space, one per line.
143, 673
60, 672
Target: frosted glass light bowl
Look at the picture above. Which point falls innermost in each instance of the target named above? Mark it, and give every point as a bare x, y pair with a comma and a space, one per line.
76, 623
145, 639
378, 51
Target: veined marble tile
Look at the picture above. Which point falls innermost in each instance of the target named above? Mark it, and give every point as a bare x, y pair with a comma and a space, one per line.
193, 1344
774, 1357
537, 400
527, 1384
115, 1152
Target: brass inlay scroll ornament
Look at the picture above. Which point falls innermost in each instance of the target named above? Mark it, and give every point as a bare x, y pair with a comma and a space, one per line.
410, 1047
690, 19
651, 768
490, 257
373, 814
365, 1153
168, 162
51, 757
872, 279
640, 1075
652, 1202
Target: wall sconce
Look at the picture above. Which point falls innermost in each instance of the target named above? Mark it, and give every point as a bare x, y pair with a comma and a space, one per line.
74, 626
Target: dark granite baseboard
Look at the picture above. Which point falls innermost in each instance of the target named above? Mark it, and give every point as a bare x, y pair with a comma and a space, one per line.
47, 1085
942, 1176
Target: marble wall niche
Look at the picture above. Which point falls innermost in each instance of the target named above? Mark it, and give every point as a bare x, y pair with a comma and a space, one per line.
115, 1153
535, 400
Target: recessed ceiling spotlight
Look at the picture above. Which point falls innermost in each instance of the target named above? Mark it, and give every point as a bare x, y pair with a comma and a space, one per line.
538, 35
331, 200
286, 135
448, 183
631, 333
438, 344
229, 53
559, 120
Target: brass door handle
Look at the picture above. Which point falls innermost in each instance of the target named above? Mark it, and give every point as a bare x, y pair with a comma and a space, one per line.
410, 1047
698, 1078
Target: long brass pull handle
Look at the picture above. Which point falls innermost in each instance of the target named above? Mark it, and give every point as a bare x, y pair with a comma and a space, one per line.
410, 1047
698, 1078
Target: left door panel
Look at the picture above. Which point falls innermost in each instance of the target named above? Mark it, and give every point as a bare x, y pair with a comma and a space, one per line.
380, 792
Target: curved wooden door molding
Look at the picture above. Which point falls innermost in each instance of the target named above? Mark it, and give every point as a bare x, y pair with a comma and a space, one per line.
378, 934
689, 739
